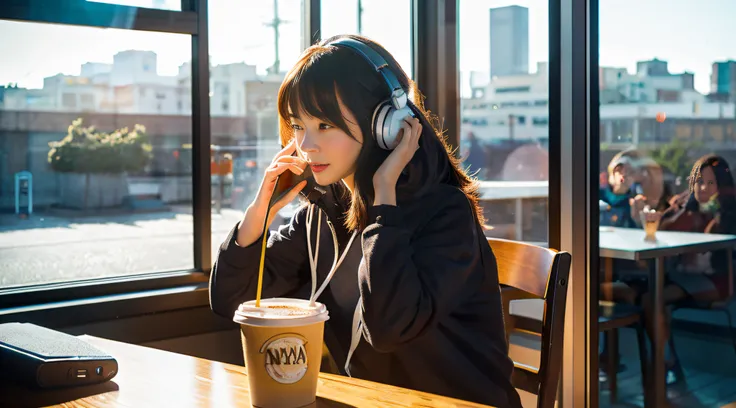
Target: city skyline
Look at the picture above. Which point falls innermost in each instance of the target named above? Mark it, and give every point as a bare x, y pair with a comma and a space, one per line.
667, 30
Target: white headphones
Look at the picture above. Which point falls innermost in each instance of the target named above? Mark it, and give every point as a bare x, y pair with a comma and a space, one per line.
388, 115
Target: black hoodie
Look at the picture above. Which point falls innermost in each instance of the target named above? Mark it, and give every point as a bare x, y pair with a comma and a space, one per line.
432, 318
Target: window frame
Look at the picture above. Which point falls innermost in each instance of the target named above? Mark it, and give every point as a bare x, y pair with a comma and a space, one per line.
90, 300
572, 48
573, 128
21, 302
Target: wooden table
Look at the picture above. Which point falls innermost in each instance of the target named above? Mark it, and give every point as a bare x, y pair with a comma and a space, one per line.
629, 244
153, 378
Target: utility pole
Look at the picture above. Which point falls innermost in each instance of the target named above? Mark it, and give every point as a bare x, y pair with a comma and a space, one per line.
275, 23
360, 17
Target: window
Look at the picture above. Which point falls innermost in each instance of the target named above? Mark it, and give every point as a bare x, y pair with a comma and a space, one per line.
386, 21
95, 214
513, 89
243, 95
667, 124
87, 100
540, 121
507, 154
69, 100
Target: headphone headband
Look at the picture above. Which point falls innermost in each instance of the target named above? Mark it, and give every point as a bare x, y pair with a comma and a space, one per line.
398, 96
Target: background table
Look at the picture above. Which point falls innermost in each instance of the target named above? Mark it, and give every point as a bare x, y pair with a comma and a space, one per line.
629, 244
153, 378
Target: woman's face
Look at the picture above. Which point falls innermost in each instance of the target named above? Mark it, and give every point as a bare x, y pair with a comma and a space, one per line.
705, 185
621, 179
331, 152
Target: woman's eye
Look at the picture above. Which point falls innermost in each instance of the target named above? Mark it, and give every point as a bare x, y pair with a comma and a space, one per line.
325, 126
295, 126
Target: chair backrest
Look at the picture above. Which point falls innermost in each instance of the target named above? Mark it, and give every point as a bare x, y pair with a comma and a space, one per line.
534, 272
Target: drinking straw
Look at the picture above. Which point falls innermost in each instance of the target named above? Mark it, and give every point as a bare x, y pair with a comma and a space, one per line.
263, 256
263, 246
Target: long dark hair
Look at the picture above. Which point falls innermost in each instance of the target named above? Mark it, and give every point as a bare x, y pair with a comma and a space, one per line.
726, 191
324, 72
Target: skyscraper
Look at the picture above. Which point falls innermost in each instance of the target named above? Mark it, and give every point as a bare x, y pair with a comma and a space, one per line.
509, 41
723, 79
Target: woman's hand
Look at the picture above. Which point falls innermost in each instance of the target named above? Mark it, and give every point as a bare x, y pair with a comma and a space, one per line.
387, 175
282, 162
251, 227
637, 206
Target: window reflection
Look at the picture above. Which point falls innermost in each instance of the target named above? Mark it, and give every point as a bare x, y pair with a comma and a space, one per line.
504, 128
95, 169
252, 46
665, 114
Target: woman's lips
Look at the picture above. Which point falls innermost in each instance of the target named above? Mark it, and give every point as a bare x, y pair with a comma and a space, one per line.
318, 168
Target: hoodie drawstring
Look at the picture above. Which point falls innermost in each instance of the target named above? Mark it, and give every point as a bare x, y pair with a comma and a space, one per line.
314, 257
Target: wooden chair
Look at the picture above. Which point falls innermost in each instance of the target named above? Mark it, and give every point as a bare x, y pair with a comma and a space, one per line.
532, 272
611, 318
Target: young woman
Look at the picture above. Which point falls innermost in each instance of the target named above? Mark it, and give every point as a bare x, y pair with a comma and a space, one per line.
708, 207
414, 300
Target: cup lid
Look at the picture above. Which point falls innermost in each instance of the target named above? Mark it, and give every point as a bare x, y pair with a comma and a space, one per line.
280, 312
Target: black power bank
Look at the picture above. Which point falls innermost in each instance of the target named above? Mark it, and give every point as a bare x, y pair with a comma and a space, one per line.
39, 357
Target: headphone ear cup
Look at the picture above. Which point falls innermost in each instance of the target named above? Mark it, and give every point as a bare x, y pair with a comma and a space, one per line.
380, 129
394, 121
387, 123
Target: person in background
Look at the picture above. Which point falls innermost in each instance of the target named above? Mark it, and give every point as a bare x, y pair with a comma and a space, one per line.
619, 201
649, 179
709, 206
633, 182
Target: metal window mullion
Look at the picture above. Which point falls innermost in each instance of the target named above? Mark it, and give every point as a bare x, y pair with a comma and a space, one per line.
574, 121
311, 22
435, 61
201, 139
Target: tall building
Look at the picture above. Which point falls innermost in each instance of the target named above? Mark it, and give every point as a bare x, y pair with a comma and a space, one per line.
655, 67
723, 79
509, 41
652, 83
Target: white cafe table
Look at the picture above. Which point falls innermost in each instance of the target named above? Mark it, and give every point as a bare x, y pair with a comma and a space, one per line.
629, 244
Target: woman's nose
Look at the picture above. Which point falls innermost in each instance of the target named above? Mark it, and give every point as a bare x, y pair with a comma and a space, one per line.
308, 144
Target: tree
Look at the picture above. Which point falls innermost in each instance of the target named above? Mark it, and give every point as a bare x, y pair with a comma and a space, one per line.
677, 157
87, 150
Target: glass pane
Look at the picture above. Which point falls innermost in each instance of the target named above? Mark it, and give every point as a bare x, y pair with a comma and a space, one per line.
504, 128
370, 18
95, 176
668, 87
154, 4
252, 46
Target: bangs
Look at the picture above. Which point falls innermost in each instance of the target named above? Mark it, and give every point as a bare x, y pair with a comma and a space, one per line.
310, 89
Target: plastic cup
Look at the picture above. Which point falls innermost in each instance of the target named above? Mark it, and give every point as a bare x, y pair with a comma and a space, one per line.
282, 346
650, 222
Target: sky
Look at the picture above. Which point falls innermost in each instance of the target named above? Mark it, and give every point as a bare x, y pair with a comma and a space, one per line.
688, 37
